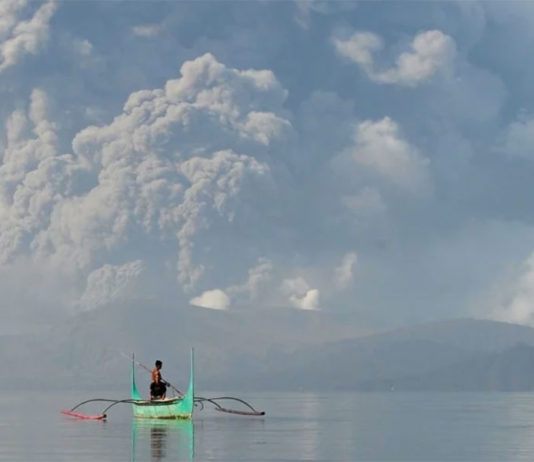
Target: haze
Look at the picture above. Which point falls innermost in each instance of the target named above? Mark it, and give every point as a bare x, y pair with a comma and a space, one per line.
369, 164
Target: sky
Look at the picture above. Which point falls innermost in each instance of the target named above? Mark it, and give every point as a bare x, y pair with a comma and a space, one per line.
369, 160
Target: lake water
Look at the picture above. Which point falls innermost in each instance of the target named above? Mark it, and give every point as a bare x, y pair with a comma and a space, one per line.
298, 426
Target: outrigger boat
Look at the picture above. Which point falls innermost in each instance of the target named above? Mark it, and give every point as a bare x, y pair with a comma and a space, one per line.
180, 407
177, 407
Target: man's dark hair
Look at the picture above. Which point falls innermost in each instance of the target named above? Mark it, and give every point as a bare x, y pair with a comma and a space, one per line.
159, 363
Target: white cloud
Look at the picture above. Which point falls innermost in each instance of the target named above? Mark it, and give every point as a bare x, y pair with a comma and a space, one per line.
258, 277
151, 175
84, 48
520, 308
300, 294
378, 146
519, 139
344, 273
147, 30
359, 48
9, 10
85, 54
110, 283
305, 9
215, 299
21, 37
325, 122
308, 301
431, 52
33, 176
368, 200
215, 183
158, 172
266, 286
211, 167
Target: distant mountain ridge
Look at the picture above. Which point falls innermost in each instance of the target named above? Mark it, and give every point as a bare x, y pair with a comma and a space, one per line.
468, 333
280, 350
509, 370
453, 355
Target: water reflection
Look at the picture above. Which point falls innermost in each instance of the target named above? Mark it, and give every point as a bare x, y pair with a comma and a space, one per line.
308, 444
158, 440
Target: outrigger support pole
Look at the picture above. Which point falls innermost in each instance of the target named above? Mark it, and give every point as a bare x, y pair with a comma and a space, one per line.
253, 412
101, 416
94, 400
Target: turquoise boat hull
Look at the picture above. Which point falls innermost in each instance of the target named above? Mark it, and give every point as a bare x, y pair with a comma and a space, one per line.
172, 408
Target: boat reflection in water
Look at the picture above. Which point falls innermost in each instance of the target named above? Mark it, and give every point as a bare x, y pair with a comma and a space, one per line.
162, 440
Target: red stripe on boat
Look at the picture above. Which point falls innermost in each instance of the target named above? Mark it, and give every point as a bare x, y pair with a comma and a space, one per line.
83, 416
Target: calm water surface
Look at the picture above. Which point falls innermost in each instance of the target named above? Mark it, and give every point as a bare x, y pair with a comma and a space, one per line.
298, 426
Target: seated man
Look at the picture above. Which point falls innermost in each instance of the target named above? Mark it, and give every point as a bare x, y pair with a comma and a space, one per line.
158, 387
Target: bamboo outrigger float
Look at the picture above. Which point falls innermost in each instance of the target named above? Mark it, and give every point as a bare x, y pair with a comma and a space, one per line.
177, 407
